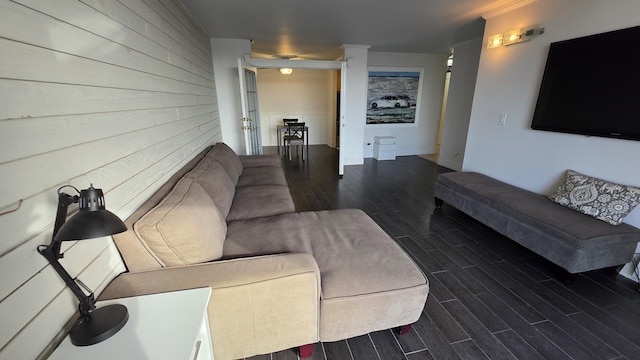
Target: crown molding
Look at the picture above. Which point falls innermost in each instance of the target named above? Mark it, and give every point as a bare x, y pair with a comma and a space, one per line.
506, 8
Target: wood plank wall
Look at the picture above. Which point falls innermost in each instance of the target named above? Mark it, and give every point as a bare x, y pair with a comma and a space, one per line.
115, 93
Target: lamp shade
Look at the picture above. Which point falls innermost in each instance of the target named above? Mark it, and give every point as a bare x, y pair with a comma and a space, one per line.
92, 219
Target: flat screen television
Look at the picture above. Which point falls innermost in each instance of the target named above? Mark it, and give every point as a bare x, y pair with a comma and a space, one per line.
591, 86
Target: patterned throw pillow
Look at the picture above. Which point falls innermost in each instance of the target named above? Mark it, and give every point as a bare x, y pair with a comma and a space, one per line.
603, 200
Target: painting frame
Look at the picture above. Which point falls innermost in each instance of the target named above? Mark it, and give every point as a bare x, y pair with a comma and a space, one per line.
393, 96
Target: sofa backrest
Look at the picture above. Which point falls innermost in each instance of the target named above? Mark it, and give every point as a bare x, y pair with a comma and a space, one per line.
135, 255
214, 180
229, 160
185, 228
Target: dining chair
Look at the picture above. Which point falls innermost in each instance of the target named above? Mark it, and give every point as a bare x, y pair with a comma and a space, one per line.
294, 136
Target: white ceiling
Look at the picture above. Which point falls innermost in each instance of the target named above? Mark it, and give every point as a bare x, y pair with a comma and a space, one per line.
315, 29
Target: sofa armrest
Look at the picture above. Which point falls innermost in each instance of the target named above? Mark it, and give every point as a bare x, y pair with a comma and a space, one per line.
258, 304
249, 161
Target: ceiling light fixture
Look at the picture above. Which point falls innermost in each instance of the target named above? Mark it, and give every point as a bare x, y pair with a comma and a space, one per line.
286, 71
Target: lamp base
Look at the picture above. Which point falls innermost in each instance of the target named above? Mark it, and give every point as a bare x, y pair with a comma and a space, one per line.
100, 325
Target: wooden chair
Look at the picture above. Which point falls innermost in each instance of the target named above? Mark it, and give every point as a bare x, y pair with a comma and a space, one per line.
294, 136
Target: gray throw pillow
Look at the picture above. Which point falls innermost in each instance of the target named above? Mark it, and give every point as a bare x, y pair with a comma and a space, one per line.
601, 199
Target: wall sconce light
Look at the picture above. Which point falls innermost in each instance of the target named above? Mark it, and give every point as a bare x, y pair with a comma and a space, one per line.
91, 221
286, 71
494, 41
514, 36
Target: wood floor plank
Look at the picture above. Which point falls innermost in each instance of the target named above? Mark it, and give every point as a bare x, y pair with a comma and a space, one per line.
362, 348
518, 347
620, 344
616, 326
420, 355
430, 264
387, 346
409, 342
478, 331
337, 350
438, 346
447, 325
289, 354
526, 331
469, 350
570, 346
471, 303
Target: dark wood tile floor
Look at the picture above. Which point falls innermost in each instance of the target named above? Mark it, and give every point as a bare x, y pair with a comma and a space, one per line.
490, 298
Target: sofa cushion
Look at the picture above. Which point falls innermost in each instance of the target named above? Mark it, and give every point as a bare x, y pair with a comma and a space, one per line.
260, 200
262, 175
229, 160
260, 160
601, 199
185, 228
215, 181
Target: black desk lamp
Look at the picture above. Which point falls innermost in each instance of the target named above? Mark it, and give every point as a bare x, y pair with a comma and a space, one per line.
91, 221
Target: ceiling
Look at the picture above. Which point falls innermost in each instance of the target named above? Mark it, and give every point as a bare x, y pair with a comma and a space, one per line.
315, 30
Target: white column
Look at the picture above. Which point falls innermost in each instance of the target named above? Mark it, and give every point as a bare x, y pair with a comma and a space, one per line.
354, 117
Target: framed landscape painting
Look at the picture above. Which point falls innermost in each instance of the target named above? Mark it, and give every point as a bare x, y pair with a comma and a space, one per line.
393, 96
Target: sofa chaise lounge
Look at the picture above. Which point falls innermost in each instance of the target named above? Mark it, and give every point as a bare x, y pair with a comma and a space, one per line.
280, 279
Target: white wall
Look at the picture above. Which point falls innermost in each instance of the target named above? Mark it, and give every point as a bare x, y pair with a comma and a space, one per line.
508, 81
226, 53
460, 98
421, 137
308, 95
90, 92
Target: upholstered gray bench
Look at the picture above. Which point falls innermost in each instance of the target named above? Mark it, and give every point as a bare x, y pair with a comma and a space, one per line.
568, 238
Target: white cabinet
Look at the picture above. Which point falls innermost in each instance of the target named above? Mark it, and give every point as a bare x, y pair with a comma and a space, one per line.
172, 325
384, 147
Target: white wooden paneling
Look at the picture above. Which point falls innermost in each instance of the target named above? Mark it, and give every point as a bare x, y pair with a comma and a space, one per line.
165, 35
74, 165
20, 97
196, 32
175, 33
86, 127
118, 94
45, 31
87, 18
32, 63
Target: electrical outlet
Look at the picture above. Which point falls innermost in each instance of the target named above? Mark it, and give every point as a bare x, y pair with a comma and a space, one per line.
502, 119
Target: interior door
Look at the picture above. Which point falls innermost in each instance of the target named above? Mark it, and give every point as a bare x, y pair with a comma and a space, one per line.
250, 113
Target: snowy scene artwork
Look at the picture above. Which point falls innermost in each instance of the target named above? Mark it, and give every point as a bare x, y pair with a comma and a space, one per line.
392, 96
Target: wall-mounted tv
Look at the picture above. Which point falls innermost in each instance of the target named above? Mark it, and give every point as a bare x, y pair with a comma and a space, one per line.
591, 86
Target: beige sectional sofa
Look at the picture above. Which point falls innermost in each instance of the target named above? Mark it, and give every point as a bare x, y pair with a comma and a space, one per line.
280, 279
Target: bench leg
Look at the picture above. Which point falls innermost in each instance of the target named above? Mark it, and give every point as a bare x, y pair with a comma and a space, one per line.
438, 202
306, 351
404, 329
565, 277
613, 270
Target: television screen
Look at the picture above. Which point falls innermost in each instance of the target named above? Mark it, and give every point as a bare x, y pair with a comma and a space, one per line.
591, 86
